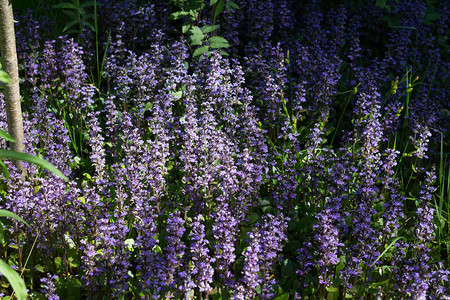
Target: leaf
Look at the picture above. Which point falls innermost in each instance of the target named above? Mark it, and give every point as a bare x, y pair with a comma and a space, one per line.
387, 249
196, 43
178, 15
14, 155
218, 42
333, 292
39, 268
381, 3
196, 31
72, 15
231, 5
65, 5
10, 214
219, 8
88, 3
4, 77
70, 24
6, 136
15, 280
5, 170
284, 296
185, 28
212, 2
217, 39
209, 28
200, 51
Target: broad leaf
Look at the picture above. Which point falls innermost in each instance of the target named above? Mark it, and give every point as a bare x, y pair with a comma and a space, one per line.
209, 28
15, 280
14, 155
4, 77
200, 51
6, 136
10, 214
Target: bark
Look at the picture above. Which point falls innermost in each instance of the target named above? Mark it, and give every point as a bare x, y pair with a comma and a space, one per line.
9, 65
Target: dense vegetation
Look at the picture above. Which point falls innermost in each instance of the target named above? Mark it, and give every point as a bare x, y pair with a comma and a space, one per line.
255, 149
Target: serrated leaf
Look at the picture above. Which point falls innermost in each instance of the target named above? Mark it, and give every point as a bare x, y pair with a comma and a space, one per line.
178, 15
196, 31
10, 214
209, 28
4, 77
185, 28
219, 45
217, 39
200, 51
15, 280
14, 155
196, 43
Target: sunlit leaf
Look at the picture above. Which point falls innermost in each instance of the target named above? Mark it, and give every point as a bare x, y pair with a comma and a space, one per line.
10, 214
4, 77
15, 280
14, 155
200, 51
6, 136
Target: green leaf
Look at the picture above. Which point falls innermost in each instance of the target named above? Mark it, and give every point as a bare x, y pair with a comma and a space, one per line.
219, 8
15, 280
196, 43
212, 2
209, 28
39, 268
178, 15
65, 5
70, 24
71, 14
432, 16
333, 292
196, 31
217, 39
231, 5
5, 170
284, 296
200, 51
381, 3
4, 77
10, 214
88, 3
185, 28
6, 136
218, 42
14, 155
387, 249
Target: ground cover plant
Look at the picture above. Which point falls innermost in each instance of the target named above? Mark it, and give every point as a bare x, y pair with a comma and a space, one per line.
246, 149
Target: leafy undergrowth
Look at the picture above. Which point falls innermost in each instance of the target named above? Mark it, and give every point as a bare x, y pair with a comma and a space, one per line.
303, 155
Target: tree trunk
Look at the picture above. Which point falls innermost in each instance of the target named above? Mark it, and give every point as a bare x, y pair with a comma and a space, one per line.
9, 65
